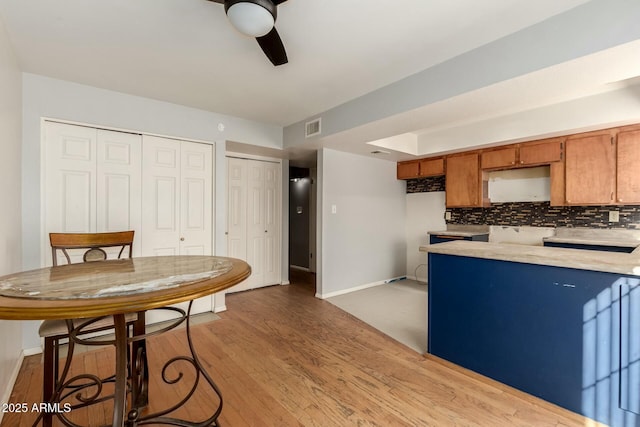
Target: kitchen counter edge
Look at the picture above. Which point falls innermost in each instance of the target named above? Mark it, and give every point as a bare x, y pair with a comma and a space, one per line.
608, 262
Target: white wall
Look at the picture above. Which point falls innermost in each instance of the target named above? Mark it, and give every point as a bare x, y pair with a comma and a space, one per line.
10, 222
364, 241
57, 99
425, 212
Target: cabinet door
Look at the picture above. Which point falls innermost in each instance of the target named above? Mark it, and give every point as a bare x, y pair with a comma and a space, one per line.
590, 170
628, 156
502, 158
431, 167
408, 170
541, 153
630, 346
463, 185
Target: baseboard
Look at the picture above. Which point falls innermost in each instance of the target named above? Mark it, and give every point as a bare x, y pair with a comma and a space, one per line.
6, 394
285, 282
220, 309
31, 351
297, 267
353, 289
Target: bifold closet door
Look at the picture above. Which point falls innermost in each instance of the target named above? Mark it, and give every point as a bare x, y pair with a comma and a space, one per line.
92, 181
253, 231
237, 213
263, 220
177, 203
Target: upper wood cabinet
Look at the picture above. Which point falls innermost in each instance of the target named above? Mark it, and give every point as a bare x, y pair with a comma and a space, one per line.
590, 169
407, 170
500, 158
540, 153
463, 181
421, 168
628, 158
528, 154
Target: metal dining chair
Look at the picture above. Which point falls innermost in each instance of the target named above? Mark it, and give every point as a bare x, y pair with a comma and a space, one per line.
92, 248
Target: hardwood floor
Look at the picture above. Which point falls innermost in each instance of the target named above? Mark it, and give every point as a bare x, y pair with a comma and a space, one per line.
284, 358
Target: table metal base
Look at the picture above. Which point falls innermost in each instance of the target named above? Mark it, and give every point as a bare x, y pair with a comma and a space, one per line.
131, 379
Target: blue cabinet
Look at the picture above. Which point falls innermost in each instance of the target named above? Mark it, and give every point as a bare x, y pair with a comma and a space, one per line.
549, 331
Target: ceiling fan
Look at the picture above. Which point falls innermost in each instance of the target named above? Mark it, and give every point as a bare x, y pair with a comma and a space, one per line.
256, 18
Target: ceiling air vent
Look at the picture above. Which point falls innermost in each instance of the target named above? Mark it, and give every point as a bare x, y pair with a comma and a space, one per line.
312, 128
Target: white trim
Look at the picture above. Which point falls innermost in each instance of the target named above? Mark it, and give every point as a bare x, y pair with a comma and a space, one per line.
220, 309
297, 267
285, 282
31, 351
6, 395
115, 129
253, 157
349, 290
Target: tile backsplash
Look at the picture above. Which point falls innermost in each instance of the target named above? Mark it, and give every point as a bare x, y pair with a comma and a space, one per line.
535, 214
542, 214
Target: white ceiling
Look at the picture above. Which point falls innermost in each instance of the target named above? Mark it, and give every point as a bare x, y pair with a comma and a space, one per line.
186, 52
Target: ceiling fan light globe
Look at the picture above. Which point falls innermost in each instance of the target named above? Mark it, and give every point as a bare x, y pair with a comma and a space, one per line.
250, 19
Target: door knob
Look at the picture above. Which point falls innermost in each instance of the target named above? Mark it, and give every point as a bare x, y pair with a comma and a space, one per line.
182, 239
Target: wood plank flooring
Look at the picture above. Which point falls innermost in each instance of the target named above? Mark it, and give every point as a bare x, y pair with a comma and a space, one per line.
284, 358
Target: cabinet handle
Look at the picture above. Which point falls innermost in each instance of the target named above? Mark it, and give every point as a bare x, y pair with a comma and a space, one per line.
182, 239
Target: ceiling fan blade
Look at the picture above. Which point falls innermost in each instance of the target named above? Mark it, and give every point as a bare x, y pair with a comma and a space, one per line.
222, 1
272, 46
277, 2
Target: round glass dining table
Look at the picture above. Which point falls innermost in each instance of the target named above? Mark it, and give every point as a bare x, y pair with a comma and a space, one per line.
116, 288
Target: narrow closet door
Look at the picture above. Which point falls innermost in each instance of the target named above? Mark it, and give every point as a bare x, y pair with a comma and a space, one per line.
119, 185
272, 223
256, 226
70, 178
70, 181
237, 213
195, 199
160, 196
196, 208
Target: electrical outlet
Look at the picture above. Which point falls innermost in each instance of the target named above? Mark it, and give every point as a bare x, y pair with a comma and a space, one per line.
614, 216
447, 215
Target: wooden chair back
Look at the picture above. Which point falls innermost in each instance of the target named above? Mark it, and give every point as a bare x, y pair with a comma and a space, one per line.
92, 242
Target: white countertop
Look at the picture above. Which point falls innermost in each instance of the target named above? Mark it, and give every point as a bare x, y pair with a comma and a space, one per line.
608, 262
597, 237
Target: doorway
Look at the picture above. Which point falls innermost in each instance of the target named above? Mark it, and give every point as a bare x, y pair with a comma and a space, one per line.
302, 229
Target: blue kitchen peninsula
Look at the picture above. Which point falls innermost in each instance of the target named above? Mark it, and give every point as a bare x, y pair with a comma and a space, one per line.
560, 324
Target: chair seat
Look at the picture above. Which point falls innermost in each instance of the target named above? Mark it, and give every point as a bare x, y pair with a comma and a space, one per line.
58, 327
